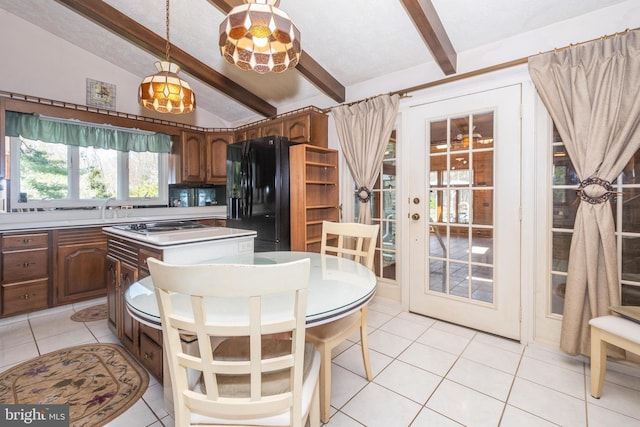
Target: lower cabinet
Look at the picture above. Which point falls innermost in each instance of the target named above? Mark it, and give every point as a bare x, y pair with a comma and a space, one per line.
25, 270
126, 263
129, 331
80, 268
151, 349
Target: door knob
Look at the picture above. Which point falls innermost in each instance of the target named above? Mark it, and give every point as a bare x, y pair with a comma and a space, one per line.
415, 216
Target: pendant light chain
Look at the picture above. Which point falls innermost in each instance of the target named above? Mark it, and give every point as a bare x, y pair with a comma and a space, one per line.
167, 25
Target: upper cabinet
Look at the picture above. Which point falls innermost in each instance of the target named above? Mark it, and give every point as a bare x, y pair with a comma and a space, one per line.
201, 158
306, 126
216, 152
191, 157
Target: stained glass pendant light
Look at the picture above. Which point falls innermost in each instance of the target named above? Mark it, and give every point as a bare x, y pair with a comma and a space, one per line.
164, 91
258, 36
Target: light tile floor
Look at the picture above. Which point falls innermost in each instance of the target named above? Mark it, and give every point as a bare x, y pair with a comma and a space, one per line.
426, 373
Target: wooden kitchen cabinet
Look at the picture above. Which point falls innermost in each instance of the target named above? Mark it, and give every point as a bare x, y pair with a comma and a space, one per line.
314, 197
191, 151
25, 272
126, 264
307, 127
274, 127
113, 293
129, 331
79, 265
216, 157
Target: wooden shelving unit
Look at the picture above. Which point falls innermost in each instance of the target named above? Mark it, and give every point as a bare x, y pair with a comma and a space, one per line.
313, 192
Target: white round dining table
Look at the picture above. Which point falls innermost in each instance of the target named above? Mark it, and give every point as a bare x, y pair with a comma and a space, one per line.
337, 286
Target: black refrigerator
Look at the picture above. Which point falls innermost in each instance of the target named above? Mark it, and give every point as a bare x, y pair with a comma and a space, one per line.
258, 190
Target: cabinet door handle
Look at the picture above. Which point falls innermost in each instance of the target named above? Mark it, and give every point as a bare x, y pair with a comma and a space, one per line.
125, 276
26, 241
25, 297
148, 356
26, 264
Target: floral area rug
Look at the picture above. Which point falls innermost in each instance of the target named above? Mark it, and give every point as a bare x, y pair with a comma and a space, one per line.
91, 314
97, 381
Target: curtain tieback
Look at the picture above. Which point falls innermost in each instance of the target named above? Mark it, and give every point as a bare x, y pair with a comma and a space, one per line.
364, 194
594, 200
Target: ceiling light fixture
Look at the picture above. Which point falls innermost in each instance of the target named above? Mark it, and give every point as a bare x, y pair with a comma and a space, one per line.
164, 91
260, 37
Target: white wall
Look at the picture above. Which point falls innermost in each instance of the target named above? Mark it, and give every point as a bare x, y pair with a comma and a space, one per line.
536, 325
37, 63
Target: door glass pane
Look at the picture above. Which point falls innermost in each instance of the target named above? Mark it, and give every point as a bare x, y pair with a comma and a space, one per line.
482, 246
459, 243
437, 246
630, 257
631, 211
482, 283
461, 207
459, 279
565, 207
483, 207
558, 285
560, 249
437, 277
483, 130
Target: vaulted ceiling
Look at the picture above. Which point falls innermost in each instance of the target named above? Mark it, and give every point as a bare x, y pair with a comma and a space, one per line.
345, 42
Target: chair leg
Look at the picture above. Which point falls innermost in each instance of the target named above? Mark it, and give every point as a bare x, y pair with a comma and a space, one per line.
325, 383
598, 362
364, 341
314, 412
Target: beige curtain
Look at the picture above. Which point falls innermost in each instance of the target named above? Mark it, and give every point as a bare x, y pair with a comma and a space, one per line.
591, 91
364, 130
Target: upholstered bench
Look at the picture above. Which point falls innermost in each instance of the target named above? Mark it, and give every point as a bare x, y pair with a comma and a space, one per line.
615, 330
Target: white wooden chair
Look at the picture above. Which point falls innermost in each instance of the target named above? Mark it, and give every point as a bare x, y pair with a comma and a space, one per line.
358, 242
614, 330
261, 372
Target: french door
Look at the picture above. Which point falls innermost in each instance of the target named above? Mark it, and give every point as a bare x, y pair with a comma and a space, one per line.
464, 213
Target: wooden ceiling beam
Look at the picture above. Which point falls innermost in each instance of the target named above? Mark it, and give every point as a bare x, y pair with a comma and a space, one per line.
428, 24
119, 23
307, 66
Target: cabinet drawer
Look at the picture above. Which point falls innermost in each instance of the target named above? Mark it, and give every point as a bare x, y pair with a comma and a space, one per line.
24, 296
154, 334
143, 254
24, 265
151, 356
20, 241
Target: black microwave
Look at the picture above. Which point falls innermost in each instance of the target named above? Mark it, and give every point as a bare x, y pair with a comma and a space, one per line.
182, 196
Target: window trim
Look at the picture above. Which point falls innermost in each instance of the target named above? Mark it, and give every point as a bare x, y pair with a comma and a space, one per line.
122, 190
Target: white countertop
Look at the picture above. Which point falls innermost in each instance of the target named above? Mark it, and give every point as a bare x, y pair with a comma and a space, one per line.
181, 237
26, 221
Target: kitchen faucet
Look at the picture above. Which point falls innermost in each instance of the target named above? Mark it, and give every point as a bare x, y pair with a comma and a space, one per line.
103, 208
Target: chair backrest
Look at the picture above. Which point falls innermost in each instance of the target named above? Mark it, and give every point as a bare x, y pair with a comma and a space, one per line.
247, 303
350, 239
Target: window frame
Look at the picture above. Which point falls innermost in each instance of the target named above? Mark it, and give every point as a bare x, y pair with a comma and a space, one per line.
74, 201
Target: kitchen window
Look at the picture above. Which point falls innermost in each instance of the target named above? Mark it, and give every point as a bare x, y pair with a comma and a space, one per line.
64, 163
53, 175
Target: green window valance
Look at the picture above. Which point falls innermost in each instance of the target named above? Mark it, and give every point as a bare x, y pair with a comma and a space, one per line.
82, 134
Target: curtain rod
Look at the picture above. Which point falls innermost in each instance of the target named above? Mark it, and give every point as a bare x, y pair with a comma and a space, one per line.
404, 92
95, 125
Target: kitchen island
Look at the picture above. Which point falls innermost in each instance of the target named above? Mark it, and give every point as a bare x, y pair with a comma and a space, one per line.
129, 247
